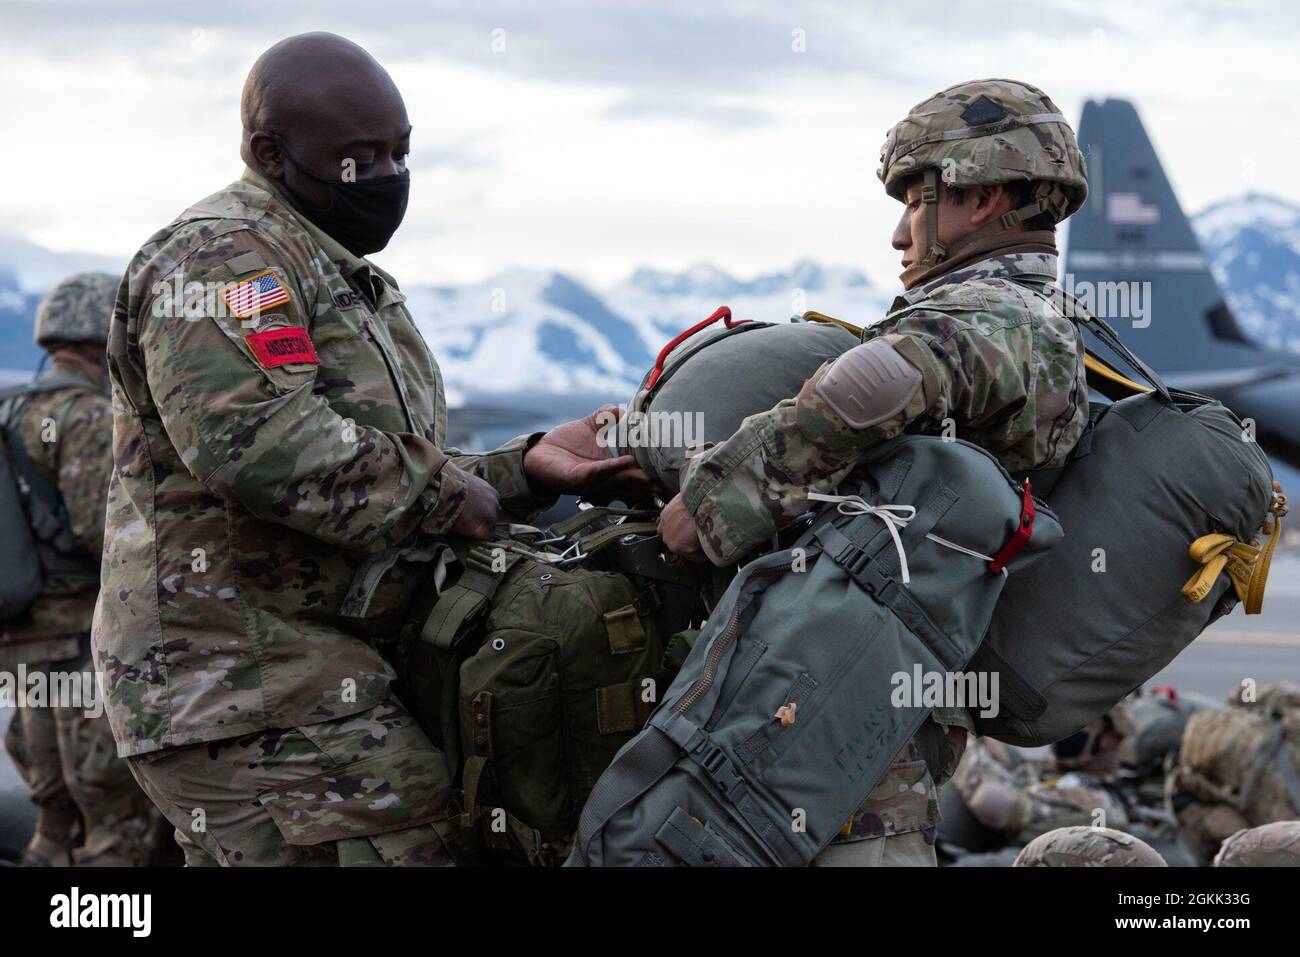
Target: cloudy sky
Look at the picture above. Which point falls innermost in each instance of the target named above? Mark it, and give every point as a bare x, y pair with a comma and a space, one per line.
595, 137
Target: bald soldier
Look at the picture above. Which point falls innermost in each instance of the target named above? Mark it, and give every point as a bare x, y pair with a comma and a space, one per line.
975, 347
90, 812
282, 491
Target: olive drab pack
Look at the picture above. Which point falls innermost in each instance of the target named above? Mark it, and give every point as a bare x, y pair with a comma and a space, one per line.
538, 663
736, 370
1161, 500
767, 742
36, 539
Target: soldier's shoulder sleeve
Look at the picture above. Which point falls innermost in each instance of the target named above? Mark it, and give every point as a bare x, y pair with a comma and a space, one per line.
225, 337
973, 343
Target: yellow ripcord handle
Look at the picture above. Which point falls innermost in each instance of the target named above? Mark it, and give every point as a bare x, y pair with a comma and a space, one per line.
1246, 564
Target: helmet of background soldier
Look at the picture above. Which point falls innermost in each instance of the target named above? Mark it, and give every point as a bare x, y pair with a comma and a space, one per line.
1084, 846
982, 133
1270, 845
78, 309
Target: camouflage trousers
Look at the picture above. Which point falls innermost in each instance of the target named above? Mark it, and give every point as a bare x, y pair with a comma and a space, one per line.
912, 849
368, 789
89, 806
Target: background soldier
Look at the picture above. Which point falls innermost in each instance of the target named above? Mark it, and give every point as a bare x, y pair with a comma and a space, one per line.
90, 810
282, 493
1022, 799
986, 170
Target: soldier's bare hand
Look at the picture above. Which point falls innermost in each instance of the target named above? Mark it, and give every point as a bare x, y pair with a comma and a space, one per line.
479, 515
678, 530
574, 459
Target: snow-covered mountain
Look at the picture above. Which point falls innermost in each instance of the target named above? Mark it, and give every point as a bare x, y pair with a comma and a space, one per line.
529, 332
1254, 245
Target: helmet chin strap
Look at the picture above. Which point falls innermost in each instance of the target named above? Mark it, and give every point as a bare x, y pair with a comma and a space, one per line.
1006, 226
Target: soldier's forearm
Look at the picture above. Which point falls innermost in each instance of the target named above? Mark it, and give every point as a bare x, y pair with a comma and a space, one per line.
503, 469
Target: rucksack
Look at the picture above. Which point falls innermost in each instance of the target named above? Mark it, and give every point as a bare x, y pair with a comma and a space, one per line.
542, 658
36, 538
1162, 494
787, 712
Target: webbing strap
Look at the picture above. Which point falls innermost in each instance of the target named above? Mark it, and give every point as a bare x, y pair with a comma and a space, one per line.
888, 591
597, 540
1247, 564
1273, 746
646, 759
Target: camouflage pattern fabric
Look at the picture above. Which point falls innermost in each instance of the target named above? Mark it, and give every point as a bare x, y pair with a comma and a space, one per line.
68, 435
997, 361
908, 849
905, 801
78, 309
1270, 845
1088, 847
1230, 774
1025, 800
984, 132
366, 789
88, 802
275, 426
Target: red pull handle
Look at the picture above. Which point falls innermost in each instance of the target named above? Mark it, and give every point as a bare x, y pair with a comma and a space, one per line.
1169, 691
723, 313
1011, 548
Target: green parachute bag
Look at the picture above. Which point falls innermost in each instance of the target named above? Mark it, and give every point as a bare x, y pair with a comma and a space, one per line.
786, 713
535, 666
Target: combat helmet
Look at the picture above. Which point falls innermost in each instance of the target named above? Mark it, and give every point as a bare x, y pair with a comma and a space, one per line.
1270, 845
1084, 846
981, 133
78, 309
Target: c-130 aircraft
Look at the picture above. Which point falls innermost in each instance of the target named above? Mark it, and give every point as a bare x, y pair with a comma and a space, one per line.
1132, 232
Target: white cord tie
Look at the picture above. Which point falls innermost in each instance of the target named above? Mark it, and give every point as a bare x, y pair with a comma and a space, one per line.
895, 517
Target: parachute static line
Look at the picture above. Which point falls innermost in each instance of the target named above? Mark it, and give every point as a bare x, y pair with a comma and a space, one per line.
895, 517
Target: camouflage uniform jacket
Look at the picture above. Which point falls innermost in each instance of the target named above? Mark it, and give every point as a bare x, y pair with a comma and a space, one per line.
260, 460
68, 435
1001, 364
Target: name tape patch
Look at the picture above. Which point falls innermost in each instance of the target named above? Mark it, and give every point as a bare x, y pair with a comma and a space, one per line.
281, 347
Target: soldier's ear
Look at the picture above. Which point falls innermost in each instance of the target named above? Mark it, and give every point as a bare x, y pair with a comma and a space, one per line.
988, 204
266, 154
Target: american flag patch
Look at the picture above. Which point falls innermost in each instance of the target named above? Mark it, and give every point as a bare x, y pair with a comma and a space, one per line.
255, 294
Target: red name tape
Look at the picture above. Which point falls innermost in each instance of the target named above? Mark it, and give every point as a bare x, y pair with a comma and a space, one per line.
280, 347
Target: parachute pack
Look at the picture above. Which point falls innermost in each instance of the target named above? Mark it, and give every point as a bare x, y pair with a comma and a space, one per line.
1161, 501
36, 539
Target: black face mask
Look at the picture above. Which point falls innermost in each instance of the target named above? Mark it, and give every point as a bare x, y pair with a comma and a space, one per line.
362, 216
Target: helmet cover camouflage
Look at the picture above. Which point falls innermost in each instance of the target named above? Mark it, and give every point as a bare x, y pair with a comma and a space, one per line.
985, 132
1084, 846
78, 309
1270, 845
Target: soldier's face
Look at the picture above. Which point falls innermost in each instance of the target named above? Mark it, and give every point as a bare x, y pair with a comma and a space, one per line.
350, 129
909, 236
981, 205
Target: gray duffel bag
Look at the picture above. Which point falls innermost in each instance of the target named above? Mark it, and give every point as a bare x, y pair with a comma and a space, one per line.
1106, 610
787, 711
